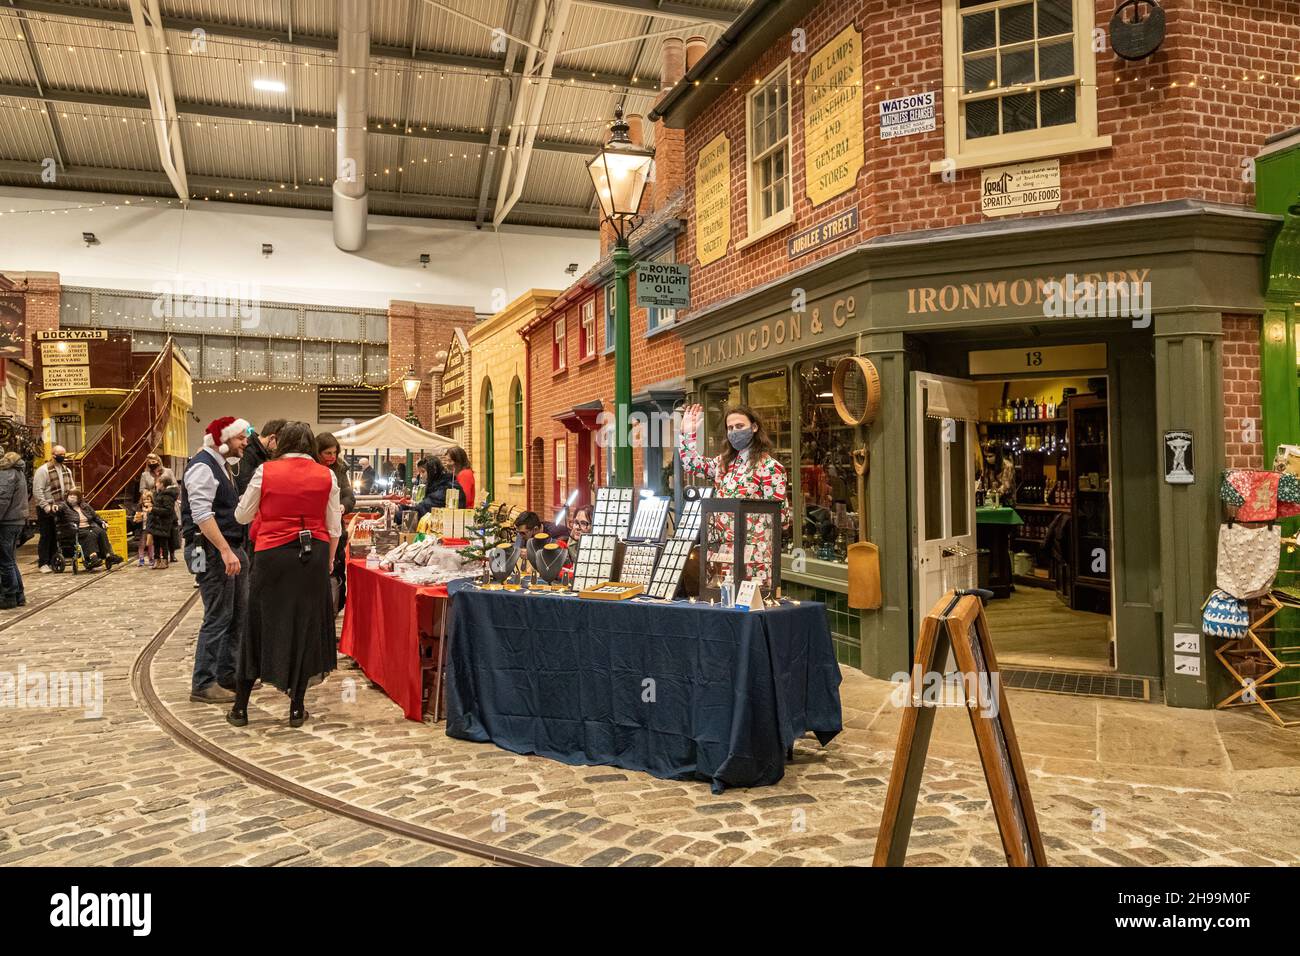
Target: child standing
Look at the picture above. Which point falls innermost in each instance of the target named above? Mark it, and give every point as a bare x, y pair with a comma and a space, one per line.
162, 519
144, 550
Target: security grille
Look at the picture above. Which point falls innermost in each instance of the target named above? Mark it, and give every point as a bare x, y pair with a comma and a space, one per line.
335, 404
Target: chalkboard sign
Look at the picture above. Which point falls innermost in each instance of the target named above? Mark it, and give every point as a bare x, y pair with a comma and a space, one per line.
958, 623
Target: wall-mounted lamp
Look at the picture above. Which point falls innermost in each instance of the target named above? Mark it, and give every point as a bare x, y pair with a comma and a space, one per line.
89, 239
424, 260
267, 249
572, 269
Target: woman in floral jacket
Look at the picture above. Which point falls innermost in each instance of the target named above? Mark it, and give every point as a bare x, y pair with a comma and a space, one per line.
747, 469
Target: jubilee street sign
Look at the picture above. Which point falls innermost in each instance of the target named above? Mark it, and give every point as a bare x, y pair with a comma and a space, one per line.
663, 285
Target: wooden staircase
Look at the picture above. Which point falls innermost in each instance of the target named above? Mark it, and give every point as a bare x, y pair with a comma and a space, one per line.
116, 457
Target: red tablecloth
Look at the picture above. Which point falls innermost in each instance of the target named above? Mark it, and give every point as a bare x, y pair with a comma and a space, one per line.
382, 621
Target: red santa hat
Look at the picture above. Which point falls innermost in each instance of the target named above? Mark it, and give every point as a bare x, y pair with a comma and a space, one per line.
221, 430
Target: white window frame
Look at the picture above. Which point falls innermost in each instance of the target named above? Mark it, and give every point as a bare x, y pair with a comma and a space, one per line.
589, 329
559, 345
758, 226
610, 306
1078, 137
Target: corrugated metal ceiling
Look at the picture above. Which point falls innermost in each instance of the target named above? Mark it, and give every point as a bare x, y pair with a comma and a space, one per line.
252, 142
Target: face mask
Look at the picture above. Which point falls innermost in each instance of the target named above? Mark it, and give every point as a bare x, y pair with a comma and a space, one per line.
740, 438
60, 458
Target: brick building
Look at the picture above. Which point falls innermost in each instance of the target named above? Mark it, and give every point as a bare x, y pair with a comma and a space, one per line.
31, 298
571, 349
496, 395
909, 182
417, 333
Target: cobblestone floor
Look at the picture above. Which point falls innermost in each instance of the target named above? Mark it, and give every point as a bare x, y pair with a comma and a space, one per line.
1113, 782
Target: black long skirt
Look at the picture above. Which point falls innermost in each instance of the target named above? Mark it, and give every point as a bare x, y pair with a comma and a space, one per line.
290, 636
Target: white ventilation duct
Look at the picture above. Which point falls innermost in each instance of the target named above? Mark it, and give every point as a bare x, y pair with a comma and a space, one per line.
350, 202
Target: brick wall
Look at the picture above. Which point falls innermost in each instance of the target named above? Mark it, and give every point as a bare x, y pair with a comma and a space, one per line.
41, 291
1182, 122
1242, 410
653, 360
417, 331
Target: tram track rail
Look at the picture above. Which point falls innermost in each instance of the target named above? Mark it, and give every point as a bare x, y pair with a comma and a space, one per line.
147, 697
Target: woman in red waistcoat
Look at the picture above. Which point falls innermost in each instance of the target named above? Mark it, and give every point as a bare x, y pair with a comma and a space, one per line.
289, 640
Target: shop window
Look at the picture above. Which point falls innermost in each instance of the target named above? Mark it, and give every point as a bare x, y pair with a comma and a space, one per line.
768, 121
517, 401
768, 394
1020, 79
826, 511
716, 399
561, 486
587, 333
559, 360
611, 306
658, 318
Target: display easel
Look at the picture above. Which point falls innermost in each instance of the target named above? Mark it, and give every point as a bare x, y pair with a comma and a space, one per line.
957, 624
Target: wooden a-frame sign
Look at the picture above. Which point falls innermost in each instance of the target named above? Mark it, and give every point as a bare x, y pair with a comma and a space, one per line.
958, 622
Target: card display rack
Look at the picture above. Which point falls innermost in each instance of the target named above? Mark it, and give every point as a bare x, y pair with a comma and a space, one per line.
639, 563
613, 512
595, 563
668, 572
688, 526
651, 517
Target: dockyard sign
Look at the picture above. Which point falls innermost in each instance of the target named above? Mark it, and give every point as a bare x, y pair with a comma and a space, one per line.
833, 120
663, 285
1025, 187
713, 200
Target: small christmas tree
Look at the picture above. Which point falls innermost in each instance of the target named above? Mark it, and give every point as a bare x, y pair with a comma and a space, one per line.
485, 533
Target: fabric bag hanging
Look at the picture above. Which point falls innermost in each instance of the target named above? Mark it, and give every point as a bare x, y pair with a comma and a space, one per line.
1248, 559
1252, 493
1224, 616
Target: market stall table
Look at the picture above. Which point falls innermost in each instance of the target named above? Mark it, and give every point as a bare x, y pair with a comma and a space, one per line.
677, 690
382, 623
993, 530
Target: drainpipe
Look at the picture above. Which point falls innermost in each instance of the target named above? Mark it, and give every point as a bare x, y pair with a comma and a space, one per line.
350, 201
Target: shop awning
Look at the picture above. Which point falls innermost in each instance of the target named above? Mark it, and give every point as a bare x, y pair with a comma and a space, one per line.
959, 403
389, 431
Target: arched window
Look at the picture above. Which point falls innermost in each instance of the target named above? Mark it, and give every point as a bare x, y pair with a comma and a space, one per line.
489, 441
517, 401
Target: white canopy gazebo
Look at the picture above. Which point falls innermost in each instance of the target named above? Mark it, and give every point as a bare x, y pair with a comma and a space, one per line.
391, 433
386, 434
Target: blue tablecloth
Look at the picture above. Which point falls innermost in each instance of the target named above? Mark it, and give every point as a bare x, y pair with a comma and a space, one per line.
680, 691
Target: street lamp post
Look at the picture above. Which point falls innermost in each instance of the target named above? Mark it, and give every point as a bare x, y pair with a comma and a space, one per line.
620, 172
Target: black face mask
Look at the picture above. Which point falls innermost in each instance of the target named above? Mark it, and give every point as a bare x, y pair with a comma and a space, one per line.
60, 458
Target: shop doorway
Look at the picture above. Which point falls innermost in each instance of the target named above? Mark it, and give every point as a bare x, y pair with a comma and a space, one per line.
1013, 493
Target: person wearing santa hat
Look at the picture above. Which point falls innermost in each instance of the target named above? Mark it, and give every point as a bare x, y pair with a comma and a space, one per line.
214, 551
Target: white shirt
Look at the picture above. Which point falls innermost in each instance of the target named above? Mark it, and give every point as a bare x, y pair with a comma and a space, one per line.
246, 511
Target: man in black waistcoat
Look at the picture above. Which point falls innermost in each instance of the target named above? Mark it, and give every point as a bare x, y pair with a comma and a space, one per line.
214, 551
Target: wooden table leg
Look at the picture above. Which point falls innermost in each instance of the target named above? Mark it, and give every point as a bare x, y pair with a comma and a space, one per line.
440, 681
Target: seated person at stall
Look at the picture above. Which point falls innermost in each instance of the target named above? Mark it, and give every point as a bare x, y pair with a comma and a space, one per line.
581, 526
438, 481
529, 524
78, 523
998, 475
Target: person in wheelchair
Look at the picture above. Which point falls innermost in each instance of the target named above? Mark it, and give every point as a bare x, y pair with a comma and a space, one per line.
78, 524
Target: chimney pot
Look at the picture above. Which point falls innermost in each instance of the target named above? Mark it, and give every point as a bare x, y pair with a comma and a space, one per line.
673, 66
635, 132
695, 47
